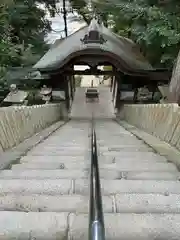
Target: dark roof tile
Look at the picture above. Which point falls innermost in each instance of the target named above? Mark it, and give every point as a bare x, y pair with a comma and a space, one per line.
124, 49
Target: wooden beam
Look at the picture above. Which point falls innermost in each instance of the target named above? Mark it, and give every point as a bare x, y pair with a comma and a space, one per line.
71, 86
114, 88
89, 72
67, 92
112, 80
117, 101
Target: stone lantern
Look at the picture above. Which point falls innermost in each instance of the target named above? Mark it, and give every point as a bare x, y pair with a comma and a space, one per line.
16, 96
46, 94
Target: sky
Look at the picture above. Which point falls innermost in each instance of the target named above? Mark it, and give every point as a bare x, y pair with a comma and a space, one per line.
58, 24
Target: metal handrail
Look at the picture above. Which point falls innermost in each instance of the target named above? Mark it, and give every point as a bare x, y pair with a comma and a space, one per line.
96, 218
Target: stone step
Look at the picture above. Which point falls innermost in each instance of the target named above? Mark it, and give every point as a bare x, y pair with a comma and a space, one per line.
105, 159
56, 174
129, 226
61, 148
81, 186
52, 226
29, 158
76, 129
122, 147
48, 203
33, 225
126, 152
109, 187
133, 161
63, 159
126, 138
136, 157
130, 150
117, 132
147, 203
152, 175
120, 203
40, 186
67, 135
50, 165
141, 166
85, 148
81, 131
62, 143
113, 137
59, 153
125, 149
74, 174
70, 137
47, 174
115, 142
133, 155
120, 166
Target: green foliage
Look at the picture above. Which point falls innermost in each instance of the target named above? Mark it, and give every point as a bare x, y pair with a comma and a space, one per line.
107, 68
23, 26
153, 24
155, 29
83, 10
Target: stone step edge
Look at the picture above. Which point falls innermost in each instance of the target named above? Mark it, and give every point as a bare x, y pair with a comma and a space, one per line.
81, 187
75, 226
132, 203
114, 174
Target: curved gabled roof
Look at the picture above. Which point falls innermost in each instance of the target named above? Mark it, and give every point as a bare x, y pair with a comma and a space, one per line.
123, 49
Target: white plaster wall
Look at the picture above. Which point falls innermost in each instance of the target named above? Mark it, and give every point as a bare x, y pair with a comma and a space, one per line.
86, 81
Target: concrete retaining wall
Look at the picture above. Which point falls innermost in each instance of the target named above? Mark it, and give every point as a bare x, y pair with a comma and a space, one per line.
18, 123
160, 120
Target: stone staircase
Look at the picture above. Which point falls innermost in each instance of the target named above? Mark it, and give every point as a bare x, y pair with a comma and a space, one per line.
46, 194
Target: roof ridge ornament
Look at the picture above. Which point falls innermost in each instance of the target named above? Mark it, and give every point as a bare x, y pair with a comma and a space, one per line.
93, 35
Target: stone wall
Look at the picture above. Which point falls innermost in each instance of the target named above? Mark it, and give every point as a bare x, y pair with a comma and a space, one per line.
18, 123
160, 120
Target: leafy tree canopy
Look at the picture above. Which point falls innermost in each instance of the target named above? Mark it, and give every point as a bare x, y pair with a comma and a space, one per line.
153, 24
23, 26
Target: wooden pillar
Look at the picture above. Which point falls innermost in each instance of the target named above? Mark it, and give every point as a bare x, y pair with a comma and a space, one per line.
113, 88
71, 86
135, 95
118, 92
74, 83
69, 90
66, 89
115, 92
154, 89
117, 100
112, 80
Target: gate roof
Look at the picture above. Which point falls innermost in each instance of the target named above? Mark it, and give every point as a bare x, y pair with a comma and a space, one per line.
94, 38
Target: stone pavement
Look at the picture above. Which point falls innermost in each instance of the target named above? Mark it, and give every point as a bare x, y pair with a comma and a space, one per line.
102, 109
46, 194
